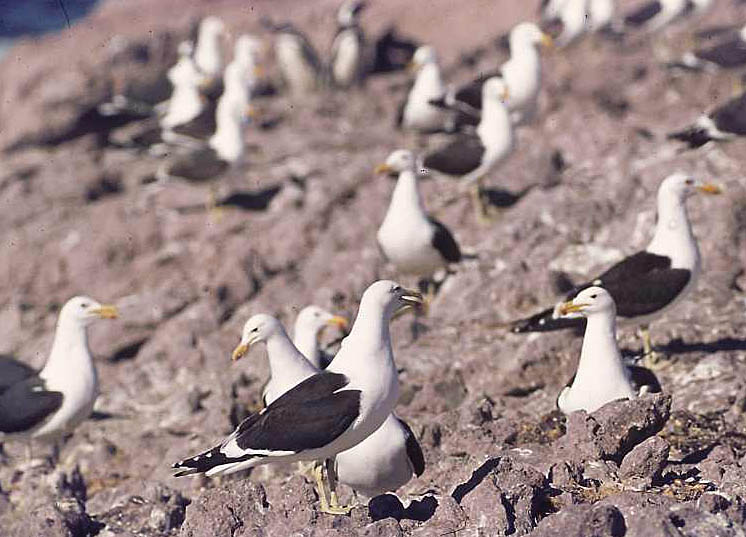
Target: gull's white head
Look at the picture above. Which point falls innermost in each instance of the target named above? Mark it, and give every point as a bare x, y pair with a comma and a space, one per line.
397, 162
211, 27
247, 48
316, 319
422, 56
495, 89
259, 328
680, 186
84, 310
186, 48
349, 12
527, 34
590, 301
389, 296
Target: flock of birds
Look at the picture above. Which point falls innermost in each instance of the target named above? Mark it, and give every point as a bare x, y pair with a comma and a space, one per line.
339, 411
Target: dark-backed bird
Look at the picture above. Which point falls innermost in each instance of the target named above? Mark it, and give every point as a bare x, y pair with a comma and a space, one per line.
724, 123
472, 156
328, 412
601, 376
349, 58
728, 54
411, 240
55, 401
655, 14
521, 73
648, 283
385, 460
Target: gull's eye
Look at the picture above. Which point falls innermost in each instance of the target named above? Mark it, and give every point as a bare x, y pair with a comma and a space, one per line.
594, 296
255, 329
83, 305
690, 182
396, 289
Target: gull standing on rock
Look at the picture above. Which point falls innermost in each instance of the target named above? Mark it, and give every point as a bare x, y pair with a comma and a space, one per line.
54, 402
297, 60
328, 412
650, 282
348, 59
521, 74
411, 240
473, 156
208, 56
726, 122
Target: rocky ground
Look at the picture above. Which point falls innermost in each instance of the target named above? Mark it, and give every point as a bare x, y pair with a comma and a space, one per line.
300, 229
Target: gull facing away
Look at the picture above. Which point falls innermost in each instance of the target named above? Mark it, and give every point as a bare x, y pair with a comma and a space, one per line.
601, 376
328, 412
348, 63
309, 325
55, 401
647, 284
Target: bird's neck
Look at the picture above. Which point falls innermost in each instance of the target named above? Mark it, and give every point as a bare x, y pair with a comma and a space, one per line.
406, 197
371, 330
69, 351
673, 233
429, 81
228, 138
208, 56
282, 354
600, 356
495, 124
307, 343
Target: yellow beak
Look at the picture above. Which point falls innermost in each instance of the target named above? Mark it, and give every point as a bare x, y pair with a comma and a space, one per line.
547, 41
258, 71
570, 307
710, 188
412, 297
382, 168
250, 112
506, 94
240, 351
341, 322
412, 67
107, 312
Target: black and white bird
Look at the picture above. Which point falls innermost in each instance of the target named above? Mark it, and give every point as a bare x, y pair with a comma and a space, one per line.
411, 240
521, 74
299, 64
724, 123
309, 326
573, 16
53, 402
648, 283
417, 112
348, 63
471, 156
328, 412
728, 54
385, 460
601, 376
656, 14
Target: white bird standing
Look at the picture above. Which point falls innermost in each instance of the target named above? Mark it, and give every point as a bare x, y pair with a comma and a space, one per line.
296, 58
348, 58
54, 402
411, 240
601, 376
416, 112
185, 102
208, 56
328, 412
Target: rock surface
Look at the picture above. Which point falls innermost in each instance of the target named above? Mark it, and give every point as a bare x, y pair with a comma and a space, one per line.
298, 227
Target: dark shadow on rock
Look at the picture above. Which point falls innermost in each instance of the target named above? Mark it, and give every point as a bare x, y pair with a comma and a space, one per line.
477, 476
251, 201
389, 506
677, 346
127, 352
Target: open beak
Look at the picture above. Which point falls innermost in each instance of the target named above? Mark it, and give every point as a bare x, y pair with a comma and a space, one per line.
710, 188
571, 307
412, 298
339, 322
107, 312
240, 351
382, 168
547, 41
